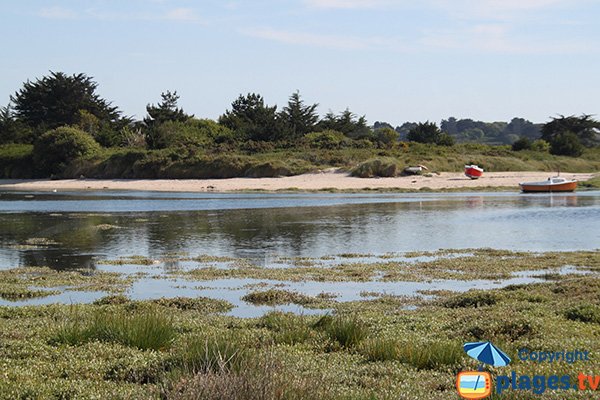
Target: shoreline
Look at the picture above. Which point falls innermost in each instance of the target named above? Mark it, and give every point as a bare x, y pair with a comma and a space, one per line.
321, 181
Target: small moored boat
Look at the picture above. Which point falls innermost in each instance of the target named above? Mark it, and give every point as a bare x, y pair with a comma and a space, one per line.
415, 170
553, 184
473, 171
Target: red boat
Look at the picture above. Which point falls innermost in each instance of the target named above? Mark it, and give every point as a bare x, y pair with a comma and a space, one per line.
473, 171
554, 184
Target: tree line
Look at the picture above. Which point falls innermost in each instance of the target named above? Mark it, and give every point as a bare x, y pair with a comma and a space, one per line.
60, 110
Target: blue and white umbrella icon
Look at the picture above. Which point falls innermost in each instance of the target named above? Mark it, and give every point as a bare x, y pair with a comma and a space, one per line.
487, 353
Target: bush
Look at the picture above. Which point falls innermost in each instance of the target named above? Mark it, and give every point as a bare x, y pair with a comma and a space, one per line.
524, 143
386, 136
328, 139
56, 149
16, 161
540, 145
383, 167
193, 132
566, 144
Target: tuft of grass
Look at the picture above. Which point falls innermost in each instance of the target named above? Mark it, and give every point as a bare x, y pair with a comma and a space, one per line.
347, 331
145, 330
421, 356
584, 313
287, 327
216, 354
262, 377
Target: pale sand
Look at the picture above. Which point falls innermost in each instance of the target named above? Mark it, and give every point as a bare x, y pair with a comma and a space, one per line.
316, 181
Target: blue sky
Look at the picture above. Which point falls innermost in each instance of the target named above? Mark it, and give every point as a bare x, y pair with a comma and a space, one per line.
395, 61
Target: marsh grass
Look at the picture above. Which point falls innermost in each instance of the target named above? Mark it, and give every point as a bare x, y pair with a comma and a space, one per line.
273, 297
287, 328
421, 356
345, 330
145, 330
584, 313
212, 354
262, 377
471, 299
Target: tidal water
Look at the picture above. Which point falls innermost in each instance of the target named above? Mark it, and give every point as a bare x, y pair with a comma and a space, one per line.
76, 229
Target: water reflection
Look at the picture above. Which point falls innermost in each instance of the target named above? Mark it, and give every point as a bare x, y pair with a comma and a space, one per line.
298, 225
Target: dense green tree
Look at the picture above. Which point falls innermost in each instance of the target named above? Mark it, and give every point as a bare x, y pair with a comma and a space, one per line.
449, 125
165, 111
405, 128
584, 127
428, 132
298, 118
566, 144
524, 143
382, 124
347, 123
11, 130
523, 128
250, 118
56, 100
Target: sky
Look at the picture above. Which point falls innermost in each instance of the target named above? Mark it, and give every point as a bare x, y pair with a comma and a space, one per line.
391, 60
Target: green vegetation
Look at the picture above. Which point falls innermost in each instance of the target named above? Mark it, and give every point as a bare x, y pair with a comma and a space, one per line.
57, 126
145, 330
273, 297
118, 348
382, 167
56, 149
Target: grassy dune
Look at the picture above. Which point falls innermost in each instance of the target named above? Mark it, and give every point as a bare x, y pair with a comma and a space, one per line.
15, 161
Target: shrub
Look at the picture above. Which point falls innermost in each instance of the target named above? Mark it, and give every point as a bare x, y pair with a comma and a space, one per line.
386, 136
193, 132
16, 161
55, 149
524, 143
328, 139
566, 144
540, 145
383, 167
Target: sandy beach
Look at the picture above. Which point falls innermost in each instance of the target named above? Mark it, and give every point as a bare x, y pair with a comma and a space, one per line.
309, 182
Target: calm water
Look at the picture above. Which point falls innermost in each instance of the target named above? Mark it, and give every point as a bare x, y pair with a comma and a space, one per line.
87, 226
